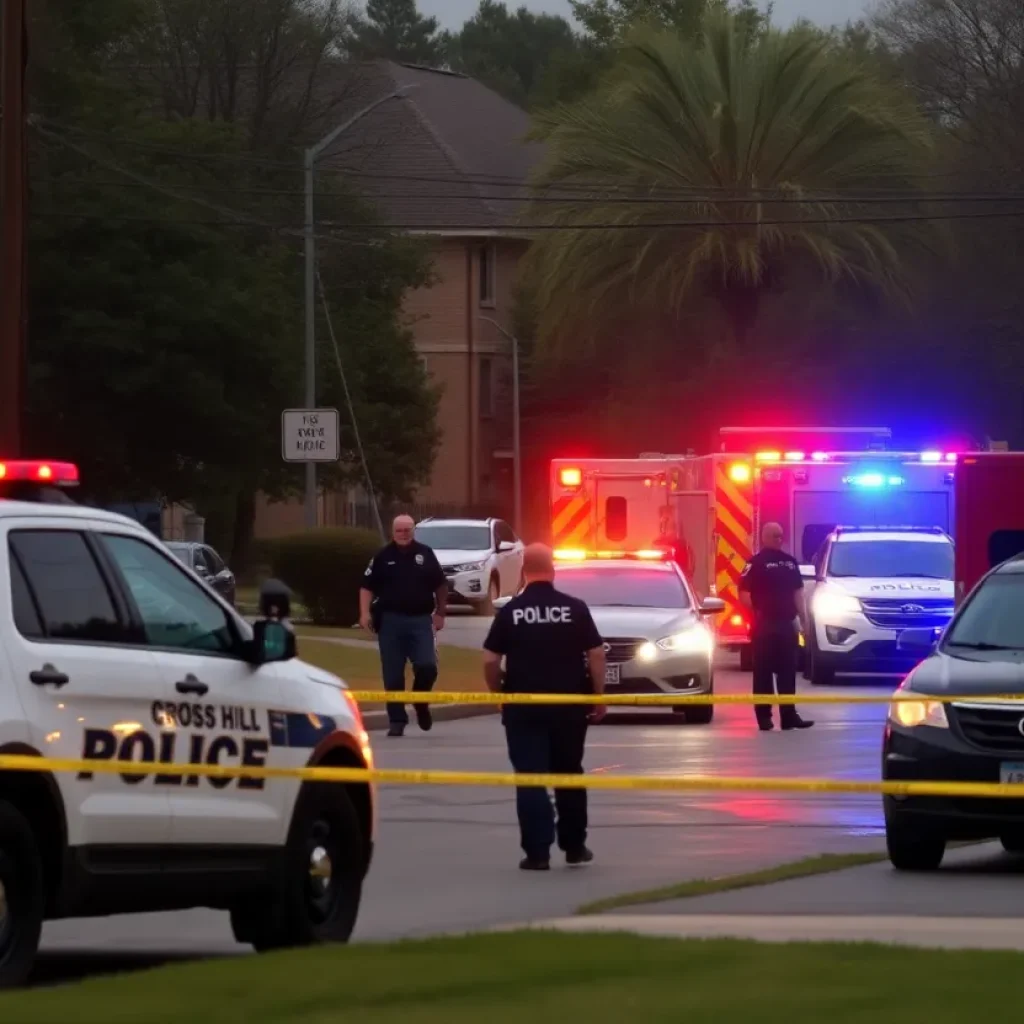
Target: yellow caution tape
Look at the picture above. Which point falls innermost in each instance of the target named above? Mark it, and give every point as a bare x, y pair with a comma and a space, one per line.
677, 783
669, 699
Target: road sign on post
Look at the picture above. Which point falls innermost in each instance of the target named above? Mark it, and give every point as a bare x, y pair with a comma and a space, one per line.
310, 435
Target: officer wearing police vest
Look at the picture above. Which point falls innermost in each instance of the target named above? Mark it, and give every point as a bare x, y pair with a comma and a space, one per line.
773, 589
550, 645
403, 600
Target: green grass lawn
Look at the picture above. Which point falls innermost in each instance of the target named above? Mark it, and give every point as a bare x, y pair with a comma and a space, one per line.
547, 977
460, 670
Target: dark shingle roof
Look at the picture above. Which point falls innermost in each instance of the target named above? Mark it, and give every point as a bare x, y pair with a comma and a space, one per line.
451, 154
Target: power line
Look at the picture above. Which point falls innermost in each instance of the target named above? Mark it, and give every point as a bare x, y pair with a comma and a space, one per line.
608, 200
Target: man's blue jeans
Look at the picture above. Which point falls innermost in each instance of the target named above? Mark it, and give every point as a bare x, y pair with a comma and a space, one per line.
406, 638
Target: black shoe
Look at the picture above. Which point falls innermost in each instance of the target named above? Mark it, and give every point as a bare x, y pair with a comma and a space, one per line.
529, 864
766, 726
577, 858
800, 723
424, 718
397, 729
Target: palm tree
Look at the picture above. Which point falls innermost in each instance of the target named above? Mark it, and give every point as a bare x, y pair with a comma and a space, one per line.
719, 170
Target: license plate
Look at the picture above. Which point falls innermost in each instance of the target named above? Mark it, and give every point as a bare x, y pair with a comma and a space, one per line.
613, 674
1012, 773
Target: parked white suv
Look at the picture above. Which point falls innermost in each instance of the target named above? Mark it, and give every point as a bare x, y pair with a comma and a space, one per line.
111, 650
482, 558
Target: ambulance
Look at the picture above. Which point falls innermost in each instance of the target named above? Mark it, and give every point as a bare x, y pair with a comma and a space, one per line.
710, 508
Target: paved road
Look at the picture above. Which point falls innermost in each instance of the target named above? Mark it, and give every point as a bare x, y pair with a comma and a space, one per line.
446, 858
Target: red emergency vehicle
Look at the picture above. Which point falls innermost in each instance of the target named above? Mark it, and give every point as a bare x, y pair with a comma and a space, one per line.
989, 514
710, 508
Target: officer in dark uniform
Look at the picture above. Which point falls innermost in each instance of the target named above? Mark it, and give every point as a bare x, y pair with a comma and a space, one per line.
773, 589
403, 600
550, 645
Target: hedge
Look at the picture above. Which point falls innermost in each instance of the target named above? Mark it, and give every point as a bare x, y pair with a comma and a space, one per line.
324, 568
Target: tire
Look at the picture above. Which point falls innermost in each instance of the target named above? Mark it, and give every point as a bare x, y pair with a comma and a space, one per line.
746, 658
819, 672
697, 714
22, 897
486, 606
1013, 843
301, 909
911, 846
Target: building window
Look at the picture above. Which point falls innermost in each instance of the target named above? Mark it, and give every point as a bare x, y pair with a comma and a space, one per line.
486, 387
486, 266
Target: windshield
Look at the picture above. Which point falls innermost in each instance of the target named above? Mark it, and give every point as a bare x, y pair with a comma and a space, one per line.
993, 619
455, 538
892, 559
623, 588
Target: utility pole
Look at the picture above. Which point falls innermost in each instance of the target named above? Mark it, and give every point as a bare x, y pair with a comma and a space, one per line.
517, 453
12, 243
309, 166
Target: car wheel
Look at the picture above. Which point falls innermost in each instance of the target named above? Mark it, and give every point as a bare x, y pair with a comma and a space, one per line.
911, 846
820, 672
486, 606
700, 714
22, 897
746, 658
1013, 842
316, 895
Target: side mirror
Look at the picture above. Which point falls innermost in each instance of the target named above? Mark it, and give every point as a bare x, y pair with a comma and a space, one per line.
712, 606
505, 545
500, 602
808, 572
272, 641
917, 641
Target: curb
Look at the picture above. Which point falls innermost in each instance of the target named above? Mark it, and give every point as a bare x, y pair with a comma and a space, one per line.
377, 721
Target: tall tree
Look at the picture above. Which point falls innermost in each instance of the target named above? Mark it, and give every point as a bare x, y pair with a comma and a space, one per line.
723, 170
610, 21
514, 52
395, 30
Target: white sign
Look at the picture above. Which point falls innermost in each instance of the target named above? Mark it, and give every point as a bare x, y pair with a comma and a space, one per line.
309, 435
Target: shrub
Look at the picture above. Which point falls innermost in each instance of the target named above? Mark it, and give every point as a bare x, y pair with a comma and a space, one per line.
324, 568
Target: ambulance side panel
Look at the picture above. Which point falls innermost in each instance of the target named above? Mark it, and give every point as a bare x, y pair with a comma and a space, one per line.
989, 496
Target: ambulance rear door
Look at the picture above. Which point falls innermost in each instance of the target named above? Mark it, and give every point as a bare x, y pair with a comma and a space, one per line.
695, 524
629, 509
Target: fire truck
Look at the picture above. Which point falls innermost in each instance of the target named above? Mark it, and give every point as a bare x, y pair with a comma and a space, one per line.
710, 508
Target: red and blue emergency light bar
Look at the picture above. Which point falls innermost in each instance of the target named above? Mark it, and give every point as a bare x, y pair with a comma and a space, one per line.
579, 555
39, 471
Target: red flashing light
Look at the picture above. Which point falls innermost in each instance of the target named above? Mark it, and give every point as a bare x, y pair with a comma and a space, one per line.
768, 456
795, 456
570, 477
61, 473
579, 555
736, 620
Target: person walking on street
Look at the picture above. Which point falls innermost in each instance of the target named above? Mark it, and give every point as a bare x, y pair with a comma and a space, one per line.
403, 600
773, 589
550, 645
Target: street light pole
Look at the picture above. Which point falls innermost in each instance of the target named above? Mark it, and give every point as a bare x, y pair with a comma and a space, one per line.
309, 164
517, 453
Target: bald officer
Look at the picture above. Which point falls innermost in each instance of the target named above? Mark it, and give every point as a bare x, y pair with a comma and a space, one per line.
550, 645
773, 589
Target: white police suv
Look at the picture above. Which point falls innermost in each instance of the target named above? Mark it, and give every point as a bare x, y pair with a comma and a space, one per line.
111, 650
870, 584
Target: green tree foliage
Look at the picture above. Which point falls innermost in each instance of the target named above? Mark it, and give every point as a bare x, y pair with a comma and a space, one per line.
165, 270
395, 30
723, 170
610, 21
527, 57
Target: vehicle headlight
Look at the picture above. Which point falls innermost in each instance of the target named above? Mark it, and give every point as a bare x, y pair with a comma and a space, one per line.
834, 602
910, 713
468, 567
695, 640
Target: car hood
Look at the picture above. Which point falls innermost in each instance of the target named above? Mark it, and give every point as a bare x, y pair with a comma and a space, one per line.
649, 623
976, 673
893, 589
455, 556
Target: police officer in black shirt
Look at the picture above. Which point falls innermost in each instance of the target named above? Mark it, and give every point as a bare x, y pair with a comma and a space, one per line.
404, 599
773, 589
550, 645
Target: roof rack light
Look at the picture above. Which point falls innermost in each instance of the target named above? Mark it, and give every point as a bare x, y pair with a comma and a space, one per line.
41, 471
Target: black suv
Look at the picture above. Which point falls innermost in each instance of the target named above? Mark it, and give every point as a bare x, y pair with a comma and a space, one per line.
980, 654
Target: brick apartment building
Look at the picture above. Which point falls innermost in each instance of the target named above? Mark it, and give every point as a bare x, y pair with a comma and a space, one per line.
446, 161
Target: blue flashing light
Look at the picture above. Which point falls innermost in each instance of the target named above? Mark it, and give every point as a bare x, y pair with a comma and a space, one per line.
931, 456
873, 480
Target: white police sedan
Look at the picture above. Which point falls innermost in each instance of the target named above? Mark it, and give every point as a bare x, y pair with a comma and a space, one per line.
655, 636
